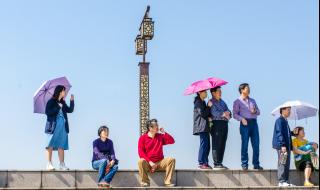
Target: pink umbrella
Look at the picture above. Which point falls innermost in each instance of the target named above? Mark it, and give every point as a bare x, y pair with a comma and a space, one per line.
45, 92
217, 82
204, 85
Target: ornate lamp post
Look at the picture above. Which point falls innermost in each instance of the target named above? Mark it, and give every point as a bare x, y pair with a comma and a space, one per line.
146, 33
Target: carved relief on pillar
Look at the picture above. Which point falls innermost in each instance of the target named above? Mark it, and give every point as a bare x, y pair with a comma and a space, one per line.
144, 102
144, 96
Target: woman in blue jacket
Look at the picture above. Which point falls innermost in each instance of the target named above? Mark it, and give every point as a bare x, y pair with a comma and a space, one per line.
57, 127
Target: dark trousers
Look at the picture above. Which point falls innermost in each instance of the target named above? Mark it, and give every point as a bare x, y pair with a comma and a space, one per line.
251, 131
204, 149
219, 134
283, 169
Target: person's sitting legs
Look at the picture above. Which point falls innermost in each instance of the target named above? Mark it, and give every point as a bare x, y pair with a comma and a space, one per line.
144, 168
100, 165
167, 165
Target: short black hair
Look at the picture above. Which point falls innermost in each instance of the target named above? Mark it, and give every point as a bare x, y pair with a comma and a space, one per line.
149, 124
215, 89
281, 109
102, 128
243, 86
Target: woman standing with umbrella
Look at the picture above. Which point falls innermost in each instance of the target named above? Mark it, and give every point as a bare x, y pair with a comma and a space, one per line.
201, 116
57, 127
201, 128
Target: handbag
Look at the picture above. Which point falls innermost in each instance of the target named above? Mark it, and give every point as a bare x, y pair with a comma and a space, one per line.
315, 160
50, 127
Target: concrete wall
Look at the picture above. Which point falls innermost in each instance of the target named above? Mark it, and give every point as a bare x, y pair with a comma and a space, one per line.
130, 178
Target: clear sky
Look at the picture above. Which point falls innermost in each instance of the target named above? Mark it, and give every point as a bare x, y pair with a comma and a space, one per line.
271, 44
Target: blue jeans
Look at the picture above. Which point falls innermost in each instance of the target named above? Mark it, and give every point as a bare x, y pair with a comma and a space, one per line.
101, 165
251, 131
204, 149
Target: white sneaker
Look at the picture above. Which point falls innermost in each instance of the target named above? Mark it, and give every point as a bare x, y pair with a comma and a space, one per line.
63, 167
143, 184
285, 184
50, 166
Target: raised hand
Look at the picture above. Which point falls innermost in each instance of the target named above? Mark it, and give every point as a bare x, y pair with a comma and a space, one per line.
162, 130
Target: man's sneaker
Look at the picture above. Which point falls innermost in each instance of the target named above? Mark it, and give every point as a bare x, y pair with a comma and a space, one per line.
203, 167
285, 184
258, 168
143, 184
225, 167
170, 185
220, 167
50, 166
245, 168
63, 167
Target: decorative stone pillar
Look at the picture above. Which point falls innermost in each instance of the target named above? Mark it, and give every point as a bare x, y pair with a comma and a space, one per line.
144, 96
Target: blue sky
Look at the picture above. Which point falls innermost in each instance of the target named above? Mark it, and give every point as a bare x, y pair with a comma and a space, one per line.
271, 44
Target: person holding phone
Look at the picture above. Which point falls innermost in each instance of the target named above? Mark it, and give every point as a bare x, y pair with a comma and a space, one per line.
57, 119
150, 149
246, 111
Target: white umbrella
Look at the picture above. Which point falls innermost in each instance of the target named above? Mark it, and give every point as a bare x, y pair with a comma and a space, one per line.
299, 110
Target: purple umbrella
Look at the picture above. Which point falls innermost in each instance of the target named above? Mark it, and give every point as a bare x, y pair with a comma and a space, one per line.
45, 93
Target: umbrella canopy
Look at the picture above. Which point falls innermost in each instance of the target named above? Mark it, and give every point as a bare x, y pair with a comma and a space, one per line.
45, 92
204, 85
299, 110
215, 82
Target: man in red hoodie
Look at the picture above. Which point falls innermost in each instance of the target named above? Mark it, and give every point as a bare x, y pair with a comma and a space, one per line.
150, 149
